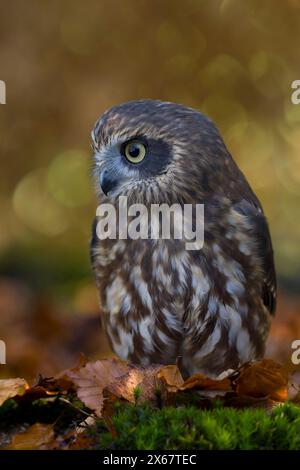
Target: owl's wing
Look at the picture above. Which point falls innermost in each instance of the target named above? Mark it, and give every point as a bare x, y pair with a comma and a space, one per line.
253, 212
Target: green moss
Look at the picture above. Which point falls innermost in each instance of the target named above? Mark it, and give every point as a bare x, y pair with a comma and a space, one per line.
142, 427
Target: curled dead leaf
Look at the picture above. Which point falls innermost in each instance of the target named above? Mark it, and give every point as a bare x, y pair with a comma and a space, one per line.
265, 378
10, 388
173, 382
201, 382
169, 381
171, 377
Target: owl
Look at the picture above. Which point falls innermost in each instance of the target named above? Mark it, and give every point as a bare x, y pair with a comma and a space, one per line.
209, 309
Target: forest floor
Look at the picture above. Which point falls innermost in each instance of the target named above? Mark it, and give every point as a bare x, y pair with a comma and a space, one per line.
112, 404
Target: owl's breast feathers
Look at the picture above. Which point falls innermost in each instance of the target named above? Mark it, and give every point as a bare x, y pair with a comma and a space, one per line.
211, 307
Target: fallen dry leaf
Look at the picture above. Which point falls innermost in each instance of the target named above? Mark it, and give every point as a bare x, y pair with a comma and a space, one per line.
169, 381
112, 380
138, 384
173, 383
201, 382
116, 378
10, 388
92, 378
263, 378
99, 385
171, 377
36, 437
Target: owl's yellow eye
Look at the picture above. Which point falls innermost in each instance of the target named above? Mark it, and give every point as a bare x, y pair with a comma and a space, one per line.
135, 151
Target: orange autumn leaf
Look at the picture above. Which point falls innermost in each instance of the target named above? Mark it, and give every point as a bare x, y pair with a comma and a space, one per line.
36, 437
171, 377
263, 378
10, 388
174, 382
201, 382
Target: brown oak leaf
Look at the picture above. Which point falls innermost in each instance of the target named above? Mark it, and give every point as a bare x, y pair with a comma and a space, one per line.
263, 378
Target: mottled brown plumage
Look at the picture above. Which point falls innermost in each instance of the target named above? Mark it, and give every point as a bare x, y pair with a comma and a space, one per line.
210, 307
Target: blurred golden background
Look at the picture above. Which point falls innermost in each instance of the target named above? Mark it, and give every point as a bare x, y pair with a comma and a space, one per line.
64, 63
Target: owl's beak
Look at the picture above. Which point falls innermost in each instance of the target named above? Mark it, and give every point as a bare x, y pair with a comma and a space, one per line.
107, 182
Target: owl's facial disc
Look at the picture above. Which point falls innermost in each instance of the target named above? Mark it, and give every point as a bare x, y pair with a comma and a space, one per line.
127, 161
119, 164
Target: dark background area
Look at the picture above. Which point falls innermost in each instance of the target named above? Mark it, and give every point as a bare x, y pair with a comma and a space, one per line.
64, 63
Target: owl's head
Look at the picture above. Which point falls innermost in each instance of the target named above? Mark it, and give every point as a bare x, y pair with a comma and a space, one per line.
155, 151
